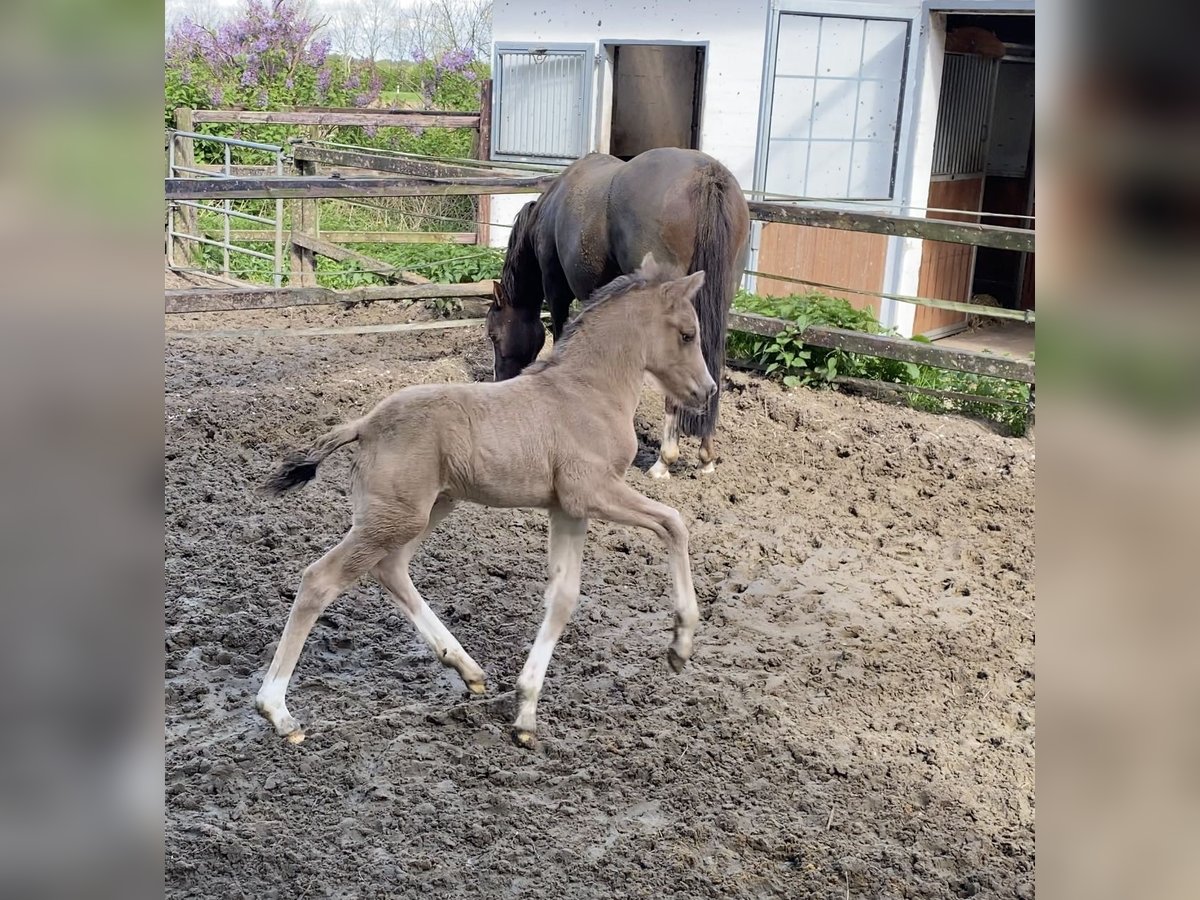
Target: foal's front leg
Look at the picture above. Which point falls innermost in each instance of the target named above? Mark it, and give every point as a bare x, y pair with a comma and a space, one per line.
567, 536
618, 502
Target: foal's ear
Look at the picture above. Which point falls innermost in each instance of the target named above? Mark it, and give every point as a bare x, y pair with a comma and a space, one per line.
497, 298
687, 288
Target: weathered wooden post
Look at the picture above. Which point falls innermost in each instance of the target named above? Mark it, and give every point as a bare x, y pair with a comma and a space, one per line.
483, 151
306, 219
184, 155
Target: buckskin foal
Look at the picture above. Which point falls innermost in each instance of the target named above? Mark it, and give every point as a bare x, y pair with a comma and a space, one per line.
559, 437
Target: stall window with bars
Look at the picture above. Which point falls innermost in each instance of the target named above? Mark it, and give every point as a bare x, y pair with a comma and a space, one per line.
837, 95
960, 144
542, 102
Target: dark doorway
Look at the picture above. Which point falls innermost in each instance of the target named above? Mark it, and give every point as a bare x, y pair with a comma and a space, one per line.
656, 97
1005, 275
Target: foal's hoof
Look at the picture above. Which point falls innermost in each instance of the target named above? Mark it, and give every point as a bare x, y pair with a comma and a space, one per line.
477, 687
285, 726
707, 469
524, 738
659, 470
675, 661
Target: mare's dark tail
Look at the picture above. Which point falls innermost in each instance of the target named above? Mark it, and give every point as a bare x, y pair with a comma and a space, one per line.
300, 467
718, 214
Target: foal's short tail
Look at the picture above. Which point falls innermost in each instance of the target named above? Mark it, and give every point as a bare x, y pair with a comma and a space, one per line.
300, 467
717, 198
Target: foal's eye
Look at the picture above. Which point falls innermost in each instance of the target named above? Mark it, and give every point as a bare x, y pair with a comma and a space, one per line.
687, 336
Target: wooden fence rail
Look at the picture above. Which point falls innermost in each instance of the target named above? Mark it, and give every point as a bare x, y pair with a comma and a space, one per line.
319, 187
202, 300
313, 187
396, 118
367, 237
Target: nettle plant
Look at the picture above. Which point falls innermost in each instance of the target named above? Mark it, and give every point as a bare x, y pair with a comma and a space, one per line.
787, 357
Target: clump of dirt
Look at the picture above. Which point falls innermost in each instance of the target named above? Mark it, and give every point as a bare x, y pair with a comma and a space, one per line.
858, 716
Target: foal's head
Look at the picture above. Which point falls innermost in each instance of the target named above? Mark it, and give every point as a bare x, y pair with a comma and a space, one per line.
671, 332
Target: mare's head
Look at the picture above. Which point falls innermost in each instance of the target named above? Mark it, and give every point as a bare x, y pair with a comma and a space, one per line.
516, 332
670, 331
514, 320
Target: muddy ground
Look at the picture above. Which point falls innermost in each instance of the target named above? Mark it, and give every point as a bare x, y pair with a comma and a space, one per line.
857, 720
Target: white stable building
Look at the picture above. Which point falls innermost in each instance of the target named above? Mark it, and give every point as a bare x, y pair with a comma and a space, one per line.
897, 105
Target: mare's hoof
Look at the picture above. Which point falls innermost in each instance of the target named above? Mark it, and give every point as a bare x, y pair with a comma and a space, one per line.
707, 469
477, 687
523, 738
676, 661
295, 737
659, 470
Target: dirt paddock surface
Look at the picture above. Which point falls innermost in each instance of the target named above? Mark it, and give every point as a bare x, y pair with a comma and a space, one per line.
857, 720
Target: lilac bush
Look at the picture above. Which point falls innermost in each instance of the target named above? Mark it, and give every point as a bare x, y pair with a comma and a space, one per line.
266, 56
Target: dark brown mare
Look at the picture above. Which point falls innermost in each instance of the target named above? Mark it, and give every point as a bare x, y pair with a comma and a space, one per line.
596, 222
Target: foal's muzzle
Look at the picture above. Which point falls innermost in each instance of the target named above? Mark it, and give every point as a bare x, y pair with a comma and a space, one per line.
700, 398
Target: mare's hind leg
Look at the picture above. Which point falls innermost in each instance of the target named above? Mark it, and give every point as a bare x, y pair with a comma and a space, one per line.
323, 581
668, 451
708, 456
392, 573
567, 536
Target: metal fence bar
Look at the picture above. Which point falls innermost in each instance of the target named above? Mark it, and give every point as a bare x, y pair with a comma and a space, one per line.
236, 142
203, 240
225, 250
225, 209
237, 214
202, 172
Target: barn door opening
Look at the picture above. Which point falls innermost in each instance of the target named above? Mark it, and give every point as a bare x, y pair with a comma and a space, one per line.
656, 97
982, 163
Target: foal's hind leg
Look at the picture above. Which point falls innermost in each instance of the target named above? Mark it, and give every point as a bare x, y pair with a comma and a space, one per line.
567, 536
392, 573
323, 581
617, 502
668, 451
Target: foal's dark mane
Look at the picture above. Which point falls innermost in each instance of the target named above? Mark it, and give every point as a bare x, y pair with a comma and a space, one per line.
618, 287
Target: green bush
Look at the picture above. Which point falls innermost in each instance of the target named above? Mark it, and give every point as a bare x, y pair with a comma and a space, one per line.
787, 357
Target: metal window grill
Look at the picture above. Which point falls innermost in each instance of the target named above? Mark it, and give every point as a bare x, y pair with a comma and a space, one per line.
542, 102
961, 141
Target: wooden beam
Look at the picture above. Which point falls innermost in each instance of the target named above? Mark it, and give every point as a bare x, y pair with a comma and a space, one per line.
367, 237
201, 300
483, 151
381, 162
399, 327
901, 226
892, 348
396, 118
285, 187
185, 252
367, 263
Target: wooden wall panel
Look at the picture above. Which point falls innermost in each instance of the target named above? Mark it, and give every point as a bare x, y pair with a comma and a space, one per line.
946, 268
842, 258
